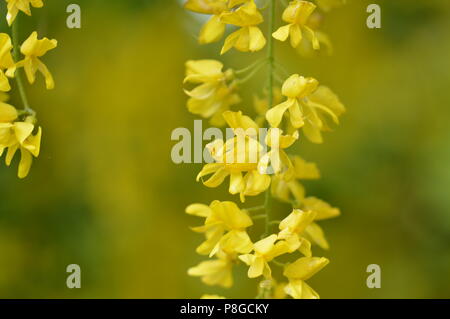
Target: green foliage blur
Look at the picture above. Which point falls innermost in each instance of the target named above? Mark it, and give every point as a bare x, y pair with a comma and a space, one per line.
105, 194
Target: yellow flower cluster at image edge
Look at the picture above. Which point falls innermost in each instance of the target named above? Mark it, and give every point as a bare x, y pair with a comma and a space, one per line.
253, 166
227, 240
18, 130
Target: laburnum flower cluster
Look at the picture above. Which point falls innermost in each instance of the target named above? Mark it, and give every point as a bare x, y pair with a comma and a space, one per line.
250, 164
18, 129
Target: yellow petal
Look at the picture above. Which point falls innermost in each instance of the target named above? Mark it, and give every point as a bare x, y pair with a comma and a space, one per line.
257, 41
200, 210
10, 154
256, 268
8, 113
265, 245
231, 40
33, 143
275, 115
23, 130
296, 35
304, 169
236, 120
305, 267
212, 31
282, 33
323, 209
317, 235
25, 163
246, 15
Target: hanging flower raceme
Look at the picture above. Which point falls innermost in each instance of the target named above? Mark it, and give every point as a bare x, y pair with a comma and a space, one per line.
14, 6
33, 49
299, 271
297, 15
254, 163
224, 228
6, 62
215, 92
249, 37
237, 158
308, 105
18, 136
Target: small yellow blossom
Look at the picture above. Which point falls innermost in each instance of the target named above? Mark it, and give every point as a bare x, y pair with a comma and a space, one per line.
224, 228
322, 211
307, 103
238, 158
18, 136
277, 159
292, 228
23, 5
249, 37
213, 95
286, 187
216, 272
214, 29
297, 15
265, 251
299, 271
6, 62
33, 49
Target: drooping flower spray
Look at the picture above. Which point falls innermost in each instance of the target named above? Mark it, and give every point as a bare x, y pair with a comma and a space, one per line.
301, 107
18, 129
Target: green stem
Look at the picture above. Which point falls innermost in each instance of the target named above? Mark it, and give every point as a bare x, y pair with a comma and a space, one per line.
250, 67
18, 74
259, 216
271, 60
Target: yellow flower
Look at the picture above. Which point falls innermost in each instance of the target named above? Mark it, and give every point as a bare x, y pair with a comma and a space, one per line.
23, 5
18, 135
238, 158
322, 211
213, 95
306, 48
299, 271
249, 37
217, 272
6, 62
276, 158
285, 185
214, 29
265, 251
292, 228
33, 49
224, 228
307, 103
297, 15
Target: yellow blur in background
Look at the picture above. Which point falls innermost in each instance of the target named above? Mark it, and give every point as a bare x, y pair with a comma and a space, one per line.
105, 194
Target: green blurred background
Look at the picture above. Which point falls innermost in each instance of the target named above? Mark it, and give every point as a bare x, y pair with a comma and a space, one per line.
105, 194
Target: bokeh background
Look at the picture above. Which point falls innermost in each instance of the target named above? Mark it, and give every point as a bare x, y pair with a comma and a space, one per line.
105, 194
